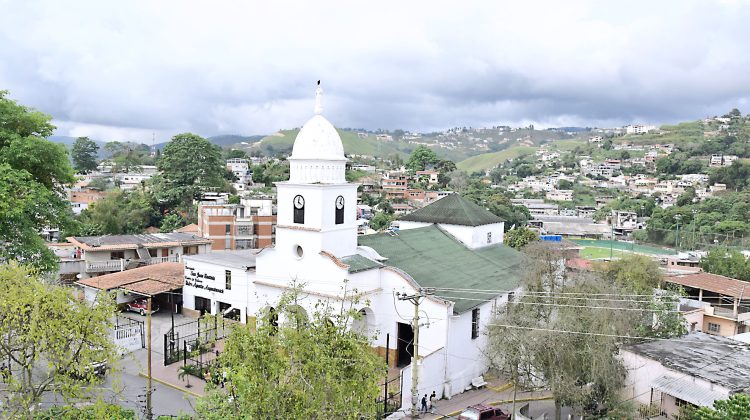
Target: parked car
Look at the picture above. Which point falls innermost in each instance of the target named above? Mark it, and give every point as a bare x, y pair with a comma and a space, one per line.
141, 305
483, 412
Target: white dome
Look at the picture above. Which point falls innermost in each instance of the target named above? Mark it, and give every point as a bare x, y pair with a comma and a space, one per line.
318, 140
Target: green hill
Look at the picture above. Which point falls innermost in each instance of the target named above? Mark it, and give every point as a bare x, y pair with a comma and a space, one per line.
487, 161
283, 141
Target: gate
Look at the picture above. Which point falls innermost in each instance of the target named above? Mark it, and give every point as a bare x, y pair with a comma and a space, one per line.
193, 335
128, 334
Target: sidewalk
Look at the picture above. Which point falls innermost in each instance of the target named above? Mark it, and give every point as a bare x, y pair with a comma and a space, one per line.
168, 375
497, 393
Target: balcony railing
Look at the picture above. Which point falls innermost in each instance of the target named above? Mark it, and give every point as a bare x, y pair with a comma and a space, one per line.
159, 260
122, 264
102, 266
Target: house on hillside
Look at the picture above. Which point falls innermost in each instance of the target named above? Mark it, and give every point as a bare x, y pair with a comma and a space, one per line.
714, 304
317, 248
93, 256
691, 371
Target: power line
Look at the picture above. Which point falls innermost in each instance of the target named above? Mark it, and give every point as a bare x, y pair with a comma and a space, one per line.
565, 306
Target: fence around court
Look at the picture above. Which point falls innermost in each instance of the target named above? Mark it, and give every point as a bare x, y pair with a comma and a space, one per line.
624, 246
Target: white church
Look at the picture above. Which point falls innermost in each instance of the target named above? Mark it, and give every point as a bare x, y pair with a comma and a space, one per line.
452, 246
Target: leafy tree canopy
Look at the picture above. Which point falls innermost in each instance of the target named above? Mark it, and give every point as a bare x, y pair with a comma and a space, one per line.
51, 339
188, 165
295, 367
737, 407
84, 156
519, 237
420, 158
726, 262
121, 212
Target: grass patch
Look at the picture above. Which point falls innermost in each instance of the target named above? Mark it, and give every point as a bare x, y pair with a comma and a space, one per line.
490, 160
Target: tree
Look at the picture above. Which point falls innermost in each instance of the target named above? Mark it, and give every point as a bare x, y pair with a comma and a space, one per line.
726, 262
96, 411
586, 318
316, 368
737, 407
51, 339
121, 212
23, 145
236, 154
26, 207
420, 158
188, 164
185, 372
84, 155
381, 221
637, 273
520, 236
128, 157
171, 222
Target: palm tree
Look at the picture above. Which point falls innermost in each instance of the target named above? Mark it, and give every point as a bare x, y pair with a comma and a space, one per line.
184, 372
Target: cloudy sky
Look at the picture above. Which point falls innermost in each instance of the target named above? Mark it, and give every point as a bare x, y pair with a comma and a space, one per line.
124, 70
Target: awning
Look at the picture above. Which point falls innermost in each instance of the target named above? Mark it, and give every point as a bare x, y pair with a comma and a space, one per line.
688, 391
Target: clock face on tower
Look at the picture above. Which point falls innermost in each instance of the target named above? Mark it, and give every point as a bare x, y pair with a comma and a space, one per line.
339, 202
299, 202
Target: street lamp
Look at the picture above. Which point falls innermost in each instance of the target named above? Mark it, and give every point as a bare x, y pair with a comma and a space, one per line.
677, 217
695, 212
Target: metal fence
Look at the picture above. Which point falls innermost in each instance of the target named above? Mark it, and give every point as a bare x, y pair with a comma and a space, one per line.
390, 401
193, 335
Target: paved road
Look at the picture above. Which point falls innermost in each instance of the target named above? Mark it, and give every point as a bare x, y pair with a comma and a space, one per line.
127, 388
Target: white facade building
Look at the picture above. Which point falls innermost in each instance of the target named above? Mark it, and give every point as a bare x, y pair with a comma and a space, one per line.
317, 248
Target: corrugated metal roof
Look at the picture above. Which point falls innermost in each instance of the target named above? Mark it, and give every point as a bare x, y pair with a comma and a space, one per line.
688, 391
453, 210
433, 258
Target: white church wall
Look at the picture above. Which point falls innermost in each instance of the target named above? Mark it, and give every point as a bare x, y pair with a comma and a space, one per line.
431, 374
405, 224
476, 236
208, 280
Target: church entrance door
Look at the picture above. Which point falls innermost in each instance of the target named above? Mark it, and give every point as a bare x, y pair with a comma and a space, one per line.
405, 344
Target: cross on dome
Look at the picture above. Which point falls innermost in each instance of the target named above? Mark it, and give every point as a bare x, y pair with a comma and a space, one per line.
318, 99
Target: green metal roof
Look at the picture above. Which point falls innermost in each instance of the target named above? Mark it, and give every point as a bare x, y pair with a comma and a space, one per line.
453, 210
359, 263
435, 259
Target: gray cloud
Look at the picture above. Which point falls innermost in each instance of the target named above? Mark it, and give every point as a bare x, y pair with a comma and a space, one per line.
126, 70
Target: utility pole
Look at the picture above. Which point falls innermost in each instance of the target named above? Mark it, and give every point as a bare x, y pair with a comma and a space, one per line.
415, 299
149, 411
677, 217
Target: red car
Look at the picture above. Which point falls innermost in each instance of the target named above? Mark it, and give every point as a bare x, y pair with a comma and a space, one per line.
483, 412
140, 306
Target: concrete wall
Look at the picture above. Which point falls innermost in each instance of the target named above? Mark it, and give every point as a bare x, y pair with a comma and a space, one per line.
195, 285
643, 371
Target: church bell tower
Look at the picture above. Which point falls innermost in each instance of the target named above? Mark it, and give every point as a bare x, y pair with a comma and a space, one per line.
317, 207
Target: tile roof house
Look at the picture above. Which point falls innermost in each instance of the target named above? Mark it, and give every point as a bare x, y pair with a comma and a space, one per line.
150, 280
714, 304
112, 253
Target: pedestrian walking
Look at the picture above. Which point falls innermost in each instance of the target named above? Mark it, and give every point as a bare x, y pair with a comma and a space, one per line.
433, 401
424, 404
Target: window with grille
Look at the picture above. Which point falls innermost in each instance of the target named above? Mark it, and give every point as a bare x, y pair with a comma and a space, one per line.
228, 279
714, 328
475, 323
